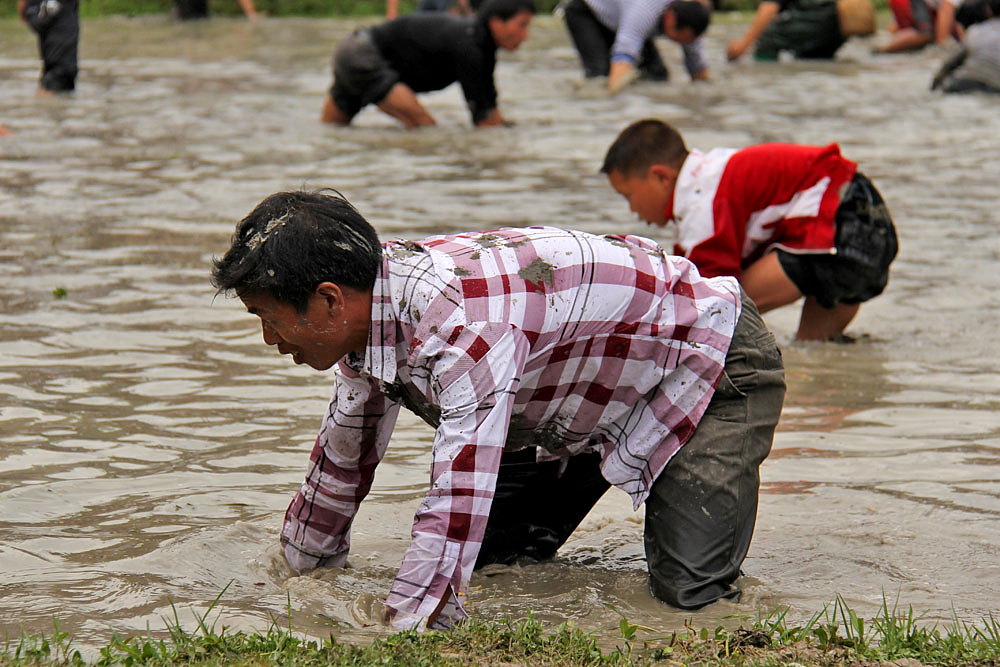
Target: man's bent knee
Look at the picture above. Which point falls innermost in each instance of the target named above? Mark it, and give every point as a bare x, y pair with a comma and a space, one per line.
332, 114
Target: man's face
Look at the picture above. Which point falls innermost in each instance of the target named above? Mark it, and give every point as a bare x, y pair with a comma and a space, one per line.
672, 32
648, 194
509, 34
327, 331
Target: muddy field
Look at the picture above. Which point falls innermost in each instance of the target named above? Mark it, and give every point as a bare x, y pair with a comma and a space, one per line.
149, 442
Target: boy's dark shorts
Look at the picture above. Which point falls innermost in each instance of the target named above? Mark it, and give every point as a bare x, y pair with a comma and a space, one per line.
866, 245
361, 76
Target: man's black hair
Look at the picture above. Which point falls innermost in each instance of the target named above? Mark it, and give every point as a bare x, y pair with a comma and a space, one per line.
293, 241
504, 10
691, 14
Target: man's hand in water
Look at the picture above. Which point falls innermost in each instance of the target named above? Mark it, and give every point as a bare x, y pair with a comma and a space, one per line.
493, 119
620, 76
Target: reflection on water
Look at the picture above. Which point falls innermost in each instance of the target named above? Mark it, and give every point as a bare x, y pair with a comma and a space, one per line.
149, 442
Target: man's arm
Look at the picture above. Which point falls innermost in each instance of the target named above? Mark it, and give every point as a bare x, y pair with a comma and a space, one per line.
761, 19
475, 75
249, 9
21, 5
695, 61
621, 74
638, 23
352, 441
944, 25
477, 368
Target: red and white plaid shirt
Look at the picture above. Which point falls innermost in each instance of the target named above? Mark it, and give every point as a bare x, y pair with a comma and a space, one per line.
516, 337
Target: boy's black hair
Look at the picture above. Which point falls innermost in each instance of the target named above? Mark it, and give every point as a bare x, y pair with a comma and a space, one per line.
504, 10
691, 14
293, 241
643, 144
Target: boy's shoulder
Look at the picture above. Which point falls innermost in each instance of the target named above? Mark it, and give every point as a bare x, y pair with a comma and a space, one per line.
778, 155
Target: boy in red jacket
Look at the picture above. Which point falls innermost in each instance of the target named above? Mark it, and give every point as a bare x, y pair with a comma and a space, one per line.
786, 220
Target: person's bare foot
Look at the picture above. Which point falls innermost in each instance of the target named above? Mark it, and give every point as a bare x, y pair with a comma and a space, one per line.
42, 92
4, 131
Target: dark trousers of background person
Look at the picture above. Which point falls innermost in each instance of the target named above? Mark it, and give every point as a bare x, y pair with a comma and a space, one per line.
971, 12
58, 30
808, 29
701, 511
191, 9
593, 41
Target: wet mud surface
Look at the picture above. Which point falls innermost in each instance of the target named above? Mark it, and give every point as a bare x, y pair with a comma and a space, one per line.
149, 441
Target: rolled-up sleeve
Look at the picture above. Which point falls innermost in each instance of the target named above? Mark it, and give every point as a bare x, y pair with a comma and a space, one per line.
695, 61
640, 20
350, 444
476, 371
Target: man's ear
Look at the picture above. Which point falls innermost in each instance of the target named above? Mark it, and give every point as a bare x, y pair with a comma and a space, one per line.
664, 173
332, 295
669, 20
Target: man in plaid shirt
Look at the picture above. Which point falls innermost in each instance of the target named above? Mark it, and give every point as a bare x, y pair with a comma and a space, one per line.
552, 363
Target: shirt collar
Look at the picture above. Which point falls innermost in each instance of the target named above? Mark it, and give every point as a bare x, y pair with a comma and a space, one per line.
380, 354
685, 178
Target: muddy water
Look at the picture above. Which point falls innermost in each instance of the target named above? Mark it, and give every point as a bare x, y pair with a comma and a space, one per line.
149, 442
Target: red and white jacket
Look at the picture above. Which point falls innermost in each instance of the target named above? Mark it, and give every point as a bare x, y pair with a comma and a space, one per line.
734, 206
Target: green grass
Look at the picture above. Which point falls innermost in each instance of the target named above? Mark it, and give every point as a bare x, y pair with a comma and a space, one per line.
836, 635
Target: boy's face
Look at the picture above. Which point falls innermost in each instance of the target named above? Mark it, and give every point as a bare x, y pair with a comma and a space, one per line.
509, 34
648, 194
319, 337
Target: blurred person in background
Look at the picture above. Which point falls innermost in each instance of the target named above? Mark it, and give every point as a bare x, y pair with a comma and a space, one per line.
387, 65
921, 22
811, 29
188, 10
976, 65
57, 24
614, 38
